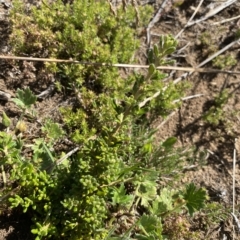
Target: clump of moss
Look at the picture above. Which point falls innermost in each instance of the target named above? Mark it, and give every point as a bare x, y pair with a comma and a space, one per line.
83, 31
207, 41
224, 61
178, 227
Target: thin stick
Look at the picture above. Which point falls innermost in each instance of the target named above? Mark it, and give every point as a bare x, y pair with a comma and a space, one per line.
233, 183
191, 18
226, 20
218, 53
188, 97
119, 65
174, 112
236, 221
46, 92
168, 117
155, 20
234, 168
51, 167
58, 162
212, 12
4, 178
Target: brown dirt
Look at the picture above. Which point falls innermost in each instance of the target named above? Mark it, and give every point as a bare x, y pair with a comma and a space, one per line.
186, 124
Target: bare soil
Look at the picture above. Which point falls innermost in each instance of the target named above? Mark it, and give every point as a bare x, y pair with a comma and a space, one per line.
186, 124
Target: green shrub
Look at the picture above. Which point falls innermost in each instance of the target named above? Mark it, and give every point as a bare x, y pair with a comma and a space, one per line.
117, 164
84, 31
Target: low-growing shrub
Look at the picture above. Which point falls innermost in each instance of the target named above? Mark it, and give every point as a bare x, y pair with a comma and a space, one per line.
108, 186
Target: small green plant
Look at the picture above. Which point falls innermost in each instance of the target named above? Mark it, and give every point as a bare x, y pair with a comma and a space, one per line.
206, 39
216, 113
24, 99
224, 61
213, 212
163, 206
6, 121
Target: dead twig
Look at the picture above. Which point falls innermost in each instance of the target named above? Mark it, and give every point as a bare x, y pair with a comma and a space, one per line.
191, 18
51, 167
9, 193
234, 170
188, 97
233, 191
166, 120
4, 96
174, 112
119, 65
156, 19
226, 20
212, 12
46, 92
236, 221
58, 162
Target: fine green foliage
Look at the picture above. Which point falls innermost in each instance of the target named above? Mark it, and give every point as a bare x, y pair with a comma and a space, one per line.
113, 176
213, 212
216, 113
224, 61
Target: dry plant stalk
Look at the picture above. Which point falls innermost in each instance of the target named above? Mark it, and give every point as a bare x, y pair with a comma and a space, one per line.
119, 65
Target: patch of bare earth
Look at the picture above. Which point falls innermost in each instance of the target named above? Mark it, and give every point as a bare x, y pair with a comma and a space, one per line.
186, 124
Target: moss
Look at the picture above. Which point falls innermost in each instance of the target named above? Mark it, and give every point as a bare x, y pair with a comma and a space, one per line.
224, 61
